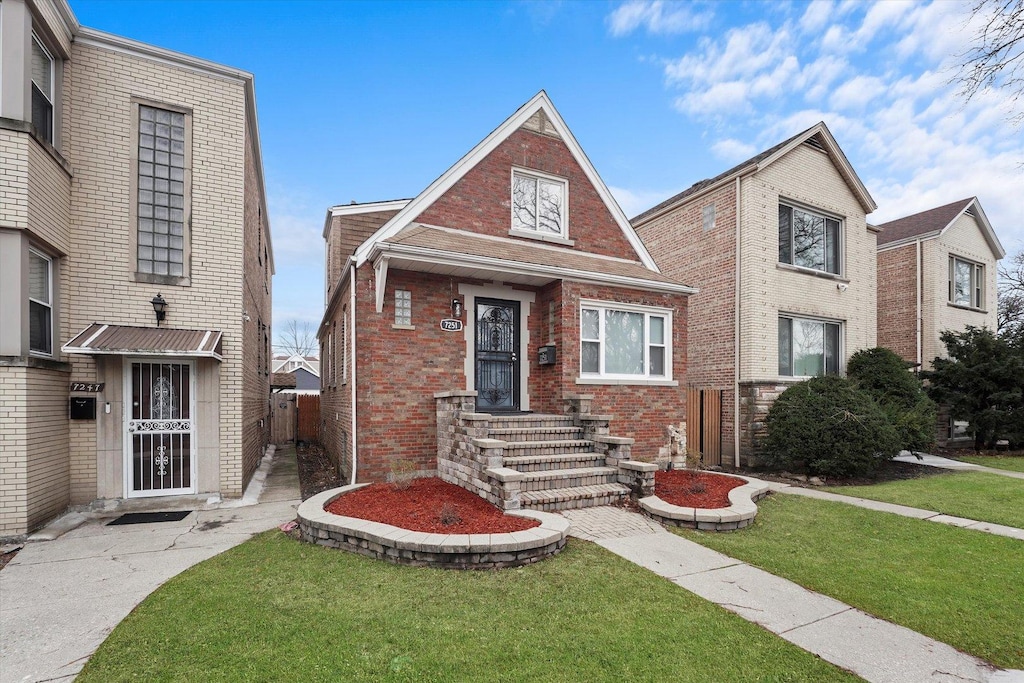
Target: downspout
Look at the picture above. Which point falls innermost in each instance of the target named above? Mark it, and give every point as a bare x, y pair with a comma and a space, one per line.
355, 364
920, 322
736, 341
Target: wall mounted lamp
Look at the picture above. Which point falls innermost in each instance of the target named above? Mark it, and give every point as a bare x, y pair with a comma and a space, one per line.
456, 308
159, 307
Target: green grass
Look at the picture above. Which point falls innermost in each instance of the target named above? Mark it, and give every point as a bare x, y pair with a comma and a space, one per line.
974, 495
274, 609
1014, 463
959, 586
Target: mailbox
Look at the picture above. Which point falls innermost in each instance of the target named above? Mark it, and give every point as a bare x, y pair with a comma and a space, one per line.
546, 355
83, 407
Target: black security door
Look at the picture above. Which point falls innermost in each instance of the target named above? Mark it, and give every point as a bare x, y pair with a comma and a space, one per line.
497, 355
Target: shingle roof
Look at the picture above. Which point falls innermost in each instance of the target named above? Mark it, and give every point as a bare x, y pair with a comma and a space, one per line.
700, 185
921, 223
282, 380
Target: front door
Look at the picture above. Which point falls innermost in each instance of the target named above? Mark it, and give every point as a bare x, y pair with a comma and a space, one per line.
497, 355
160, 429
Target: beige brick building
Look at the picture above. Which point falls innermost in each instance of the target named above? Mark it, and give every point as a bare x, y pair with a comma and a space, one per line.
129, 173
938, 269
784, 262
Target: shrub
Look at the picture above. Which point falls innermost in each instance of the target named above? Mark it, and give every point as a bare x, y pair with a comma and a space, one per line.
900, 394
829, 427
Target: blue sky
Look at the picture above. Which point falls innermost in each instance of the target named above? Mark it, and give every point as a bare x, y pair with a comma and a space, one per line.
371, 101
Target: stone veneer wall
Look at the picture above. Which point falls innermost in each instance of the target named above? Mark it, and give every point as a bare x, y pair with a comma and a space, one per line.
756, 398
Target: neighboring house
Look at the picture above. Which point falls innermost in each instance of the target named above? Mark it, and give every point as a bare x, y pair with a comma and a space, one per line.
938, 272
514, 277
786, 292
306, 370
128, 174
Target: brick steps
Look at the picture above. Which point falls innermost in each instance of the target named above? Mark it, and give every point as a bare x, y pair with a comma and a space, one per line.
520, 448
531, 420
518, 434
553, 500
540, 463
569, 478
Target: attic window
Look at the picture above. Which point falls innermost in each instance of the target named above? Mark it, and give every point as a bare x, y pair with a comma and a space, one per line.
539, 206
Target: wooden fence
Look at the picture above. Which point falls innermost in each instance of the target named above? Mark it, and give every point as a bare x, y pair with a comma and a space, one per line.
282, 418
308, 418
704, 423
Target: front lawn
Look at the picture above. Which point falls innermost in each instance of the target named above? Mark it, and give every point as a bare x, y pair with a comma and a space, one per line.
1014, 463
959, 586
274, 609
974, 495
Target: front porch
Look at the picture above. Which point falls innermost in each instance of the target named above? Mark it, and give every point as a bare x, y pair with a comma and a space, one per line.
537, 461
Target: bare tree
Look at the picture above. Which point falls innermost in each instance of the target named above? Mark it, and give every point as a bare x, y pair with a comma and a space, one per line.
297, 338
996, 57
1010, 309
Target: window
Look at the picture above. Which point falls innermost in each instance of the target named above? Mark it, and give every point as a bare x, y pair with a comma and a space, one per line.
808, 348
538, 204
403, 307
966, 283
40, 303
343, 357
627, 343
708, 217
808, 240
161, 192
42, 90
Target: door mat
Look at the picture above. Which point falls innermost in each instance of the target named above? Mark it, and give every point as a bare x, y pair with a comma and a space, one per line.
150, 517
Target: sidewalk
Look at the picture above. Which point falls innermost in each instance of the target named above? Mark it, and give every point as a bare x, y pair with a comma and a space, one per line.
61, 598
874, 649
947, 464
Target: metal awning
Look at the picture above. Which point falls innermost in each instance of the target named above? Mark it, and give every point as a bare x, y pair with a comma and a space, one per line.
121, 340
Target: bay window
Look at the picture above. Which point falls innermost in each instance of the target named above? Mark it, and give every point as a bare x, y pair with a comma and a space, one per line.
625, 342
808, 348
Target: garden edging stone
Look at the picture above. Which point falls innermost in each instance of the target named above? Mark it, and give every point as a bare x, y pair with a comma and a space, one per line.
740, 512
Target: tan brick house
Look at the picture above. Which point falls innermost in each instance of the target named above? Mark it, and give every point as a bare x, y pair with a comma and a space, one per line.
129, 174
784, 261
514, 279
937, 271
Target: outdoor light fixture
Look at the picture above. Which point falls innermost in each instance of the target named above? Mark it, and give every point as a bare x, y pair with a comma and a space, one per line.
159, 307
456, 308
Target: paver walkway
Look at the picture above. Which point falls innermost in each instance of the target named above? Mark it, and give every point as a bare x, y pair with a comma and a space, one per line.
59, 599
947, 464
903, 510
874, 649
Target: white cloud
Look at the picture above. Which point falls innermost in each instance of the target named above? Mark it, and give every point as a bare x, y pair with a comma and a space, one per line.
857, 92
657, 17
733, 150
720, 97
816, 15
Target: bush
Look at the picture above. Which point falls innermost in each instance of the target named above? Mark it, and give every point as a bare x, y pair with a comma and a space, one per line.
830, 427
900, 394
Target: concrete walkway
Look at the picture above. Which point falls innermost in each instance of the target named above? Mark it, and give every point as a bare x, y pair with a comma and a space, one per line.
903, 510
59, 599
874, 649
947, 464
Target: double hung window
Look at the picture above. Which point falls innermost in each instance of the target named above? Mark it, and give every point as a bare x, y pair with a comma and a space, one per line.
966, 283
808, 348
625, 342
40, 303
809, 240
539, 204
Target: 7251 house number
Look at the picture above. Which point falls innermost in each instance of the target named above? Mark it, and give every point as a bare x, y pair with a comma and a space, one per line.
451, 325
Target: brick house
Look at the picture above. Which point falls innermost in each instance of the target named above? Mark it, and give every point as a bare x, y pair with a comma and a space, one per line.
784, 261
939, 270
514, 281
129, 174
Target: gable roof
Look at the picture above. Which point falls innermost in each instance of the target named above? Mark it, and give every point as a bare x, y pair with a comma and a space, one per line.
819, 133
539, 102
934, 222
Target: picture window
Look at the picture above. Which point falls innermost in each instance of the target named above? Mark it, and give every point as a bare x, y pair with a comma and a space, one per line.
808, 348
809, 240
625, 343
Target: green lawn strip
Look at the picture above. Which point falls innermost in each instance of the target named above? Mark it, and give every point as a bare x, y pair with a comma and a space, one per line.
958, 586
1014, 463
974, 495
275, 609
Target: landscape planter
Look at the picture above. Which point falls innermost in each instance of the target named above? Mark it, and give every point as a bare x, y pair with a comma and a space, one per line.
739, 513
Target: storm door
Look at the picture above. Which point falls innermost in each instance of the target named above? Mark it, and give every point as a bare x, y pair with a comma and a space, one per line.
497, 355
160, 429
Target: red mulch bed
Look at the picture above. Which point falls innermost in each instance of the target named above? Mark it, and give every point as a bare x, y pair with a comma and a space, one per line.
695, 489
419, 508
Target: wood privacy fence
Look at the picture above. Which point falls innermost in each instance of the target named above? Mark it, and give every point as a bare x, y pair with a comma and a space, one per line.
704, 423
308, 418
282, 418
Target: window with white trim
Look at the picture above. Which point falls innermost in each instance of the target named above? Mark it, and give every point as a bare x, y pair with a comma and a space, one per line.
625, 342
403, 307
539, 204
40, 303
808, 347
966, 283
809, 240
42, 89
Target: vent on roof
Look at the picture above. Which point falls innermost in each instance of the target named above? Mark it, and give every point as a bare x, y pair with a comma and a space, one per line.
969, 212
815, 142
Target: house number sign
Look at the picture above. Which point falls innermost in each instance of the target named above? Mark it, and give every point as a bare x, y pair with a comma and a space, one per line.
451, 325
90, 388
